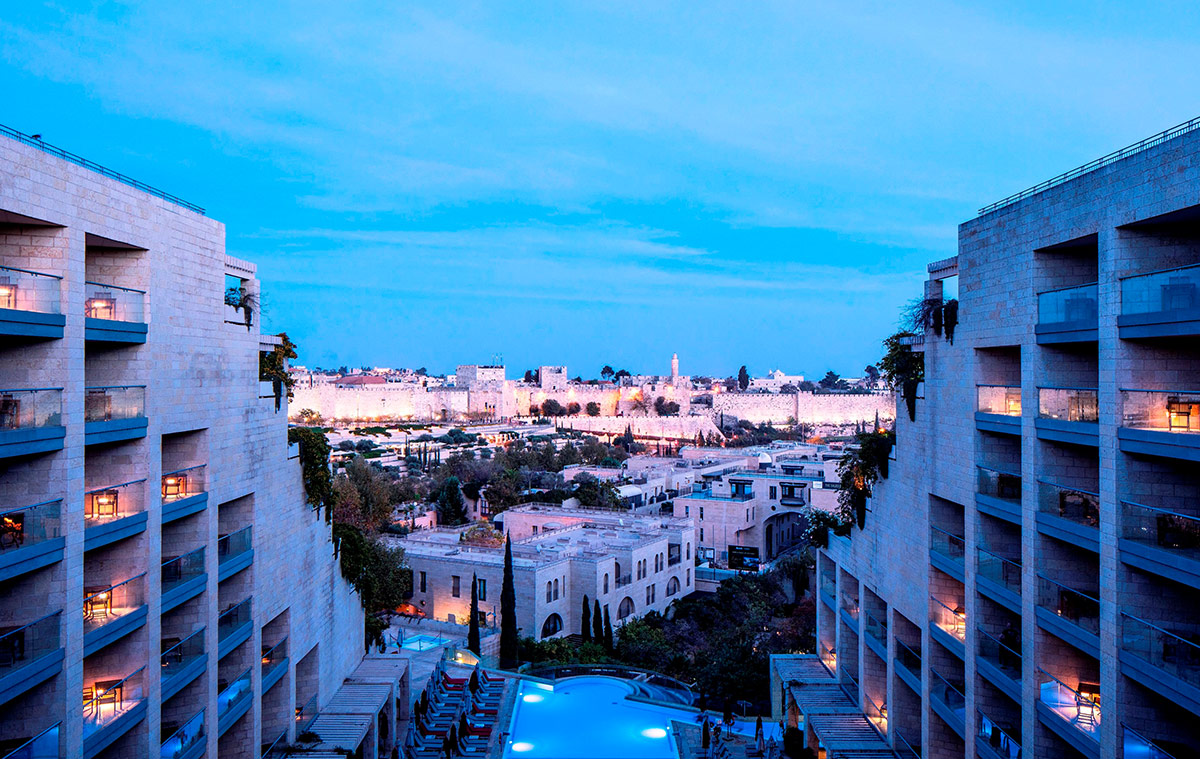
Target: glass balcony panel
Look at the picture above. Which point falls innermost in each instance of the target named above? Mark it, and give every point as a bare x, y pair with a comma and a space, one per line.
1078, 608
1006, 742
850, 604
1004, 651
184, 738
22, 290
1177, 653
828, 585
113, 502
1070, 304
876, 628
909, 657
829, 657
1169, 530
178, 570
1078, 506
177, 654
951, 694
1080, 707
106, 699
103, 604
113, 303
1138, 746
953, 621
21, 645
274, 656
306, 715
232, 619
998, 399
105, 404
1171, 290
42, 746
234, 544
1069, 404
30, 525
30, 409
229, 696
908, 747
876, 713
183, 483
1165, 411
947, 544
1000, 484
1000, 570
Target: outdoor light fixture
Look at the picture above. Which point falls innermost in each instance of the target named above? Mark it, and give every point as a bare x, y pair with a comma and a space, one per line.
103, 306
533, 698
522, 746
1013, 405
103, 503
1179, 414
8, 293
174, 485
654, 732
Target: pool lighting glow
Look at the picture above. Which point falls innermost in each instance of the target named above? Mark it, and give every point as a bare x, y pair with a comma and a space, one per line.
654, 732
544, 686
533, 698
522, 746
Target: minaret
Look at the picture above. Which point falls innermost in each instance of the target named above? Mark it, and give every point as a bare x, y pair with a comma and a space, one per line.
674, 367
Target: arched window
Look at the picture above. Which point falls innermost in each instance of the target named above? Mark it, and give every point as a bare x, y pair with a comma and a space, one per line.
606, 582
689, 551
672, 586
556, 590
617, 569
549, 598
689, 578
552, 626
626, 608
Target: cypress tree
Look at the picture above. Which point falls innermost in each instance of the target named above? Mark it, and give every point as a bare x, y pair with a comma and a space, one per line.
473, 626
597, 623
608, 633
586, 621
508, 612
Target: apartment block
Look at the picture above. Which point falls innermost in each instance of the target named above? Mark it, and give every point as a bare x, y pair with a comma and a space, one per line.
164, 588
1027, 581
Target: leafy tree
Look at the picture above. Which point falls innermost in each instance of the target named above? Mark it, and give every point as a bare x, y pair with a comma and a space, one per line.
663, 407
788, 389
508, 613
573, 409
309, 417
871, 372
314, 466
594, 494
743, 378
450, 507
473, 625
593, 408
530, 377
621, 374
607, 372
362, 446
903, 369
585, 620
830, 380
376, 572
807, 386
347, 445
551, 407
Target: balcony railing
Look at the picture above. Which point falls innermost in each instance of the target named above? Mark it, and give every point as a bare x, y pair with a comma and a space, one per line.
235, 544
1169, 530
105, 700
951, 694
232, 619
1137, 746
276, 749
235, 693
103, 604
909, 657
1004, 654
1079, 707
908, 749
1076, 505
27, 643
1171, 652
1000, 570
274, 656
876, 628
947, 544
179, 570
828, 657
1069, 304
23, 409
113, 502
114, 303
42, 746
674, 555
850, 604
876, 713
998, 483
184, 738
1080, 609
623, 580
1170, 290
953, 621
105, 404
30, 525
183, 483
180, 653
828, 585
1069, 404
1005, 742
23, 290
998, 399
307, 714
1161, 410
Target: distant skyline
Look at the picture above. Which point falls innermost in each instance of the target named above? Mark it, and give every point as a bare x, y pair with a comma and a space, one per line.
599, 183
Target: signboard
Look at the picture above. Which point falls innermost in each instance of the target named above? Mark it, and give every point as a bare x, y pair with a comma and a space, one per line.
743, 558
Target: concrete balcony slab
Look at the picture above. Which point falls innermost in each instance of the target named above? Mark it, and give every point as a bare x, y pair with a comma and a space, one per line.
1067, 531
1062, 431
1069, 631
999, 423
106, 735
114, 430
1009, 511
1080, 740
275, 674
1178, 323
30, 675
184, 507
105, 533
1160, 561
15, 323
184, 592
1173, 445
107, 634
179, 680
112, 331
15, 562
231, 565
1057, 333
234, 638
27, 441
1161, 681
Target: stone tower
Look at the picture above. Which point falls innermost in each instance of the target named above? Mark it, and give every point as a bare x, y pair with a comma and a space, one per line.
674, 367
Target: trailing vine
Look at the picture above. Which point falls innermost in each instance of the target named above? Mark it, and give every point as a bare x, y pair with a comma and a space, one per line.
314, 466
272, 367
903, 369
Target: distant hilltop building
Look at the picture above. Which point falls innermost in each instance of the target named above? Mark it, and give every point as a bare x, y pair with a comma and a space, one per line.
775, 381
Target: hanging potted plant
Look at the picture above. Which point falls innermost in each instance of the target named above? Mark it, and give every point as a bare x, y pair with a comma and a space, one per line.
903, 369
950, 318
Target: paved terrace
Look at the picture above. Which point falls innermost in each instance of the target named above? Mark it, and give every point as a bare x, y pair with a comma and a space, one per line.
826, 712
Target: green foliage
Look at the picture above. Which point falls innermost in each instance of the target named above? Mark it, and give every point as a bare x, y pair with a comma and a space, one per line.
375, 571
743, 378
903, 369
473, 623
272, 367
551, 407
314, 465
509, 654
450, 507
593, 408
663, 407
585, 624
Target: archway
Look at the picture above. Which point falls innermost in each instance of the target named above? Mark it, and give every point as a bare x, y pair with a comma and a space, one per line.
552, 626
626, 608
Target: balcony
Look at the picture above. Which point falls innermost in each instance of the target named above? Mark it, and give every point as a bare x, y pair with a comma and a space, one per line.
1068, 415
623, 580
1161, 304
950, 627
674, 554
948, 701
30, 538
1163, 660
998, 408
30, 655
110, 612
1160, 423
31, 421
234, 626
42, 746
276, 749
1074, 714
185, 742
849, 610
908, 747
1069, 514
999, 494
995, 740
908, 661
29, 304
306, 714
110, 709
114, 414
1000, 660
828, 590
1070, 614
1137, 746
877, 634
183, 493
1068, 315
113, 513
876, 713
183, 578
235, 552
1166, 543
233, 700
947, 552
274, 663
182, 662
114, 314
999, 578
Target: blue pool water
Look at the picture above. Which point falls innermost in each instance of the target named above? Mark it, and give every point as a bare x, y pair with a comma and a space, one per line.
422, 642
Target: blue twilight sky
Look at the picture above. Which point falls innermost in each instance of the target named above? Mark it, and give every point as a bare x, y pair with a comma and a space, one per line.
425, 184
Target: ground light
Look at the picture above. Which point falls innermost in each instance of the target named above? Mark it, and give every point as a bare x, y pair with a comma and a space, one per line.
654, 732
533, 698
522, 746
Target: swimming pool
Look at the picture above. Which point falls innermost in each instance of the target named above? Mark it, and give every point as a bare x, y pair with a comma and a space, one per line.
423, 642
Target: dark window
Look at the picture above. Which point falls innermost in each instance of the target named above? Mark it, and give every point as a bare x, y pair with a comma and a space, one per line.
422, 582
454, 585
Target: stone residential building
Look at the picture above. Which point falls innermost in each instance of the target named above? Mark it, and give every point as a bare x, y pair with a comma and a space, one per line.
164, 586
1028, 578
